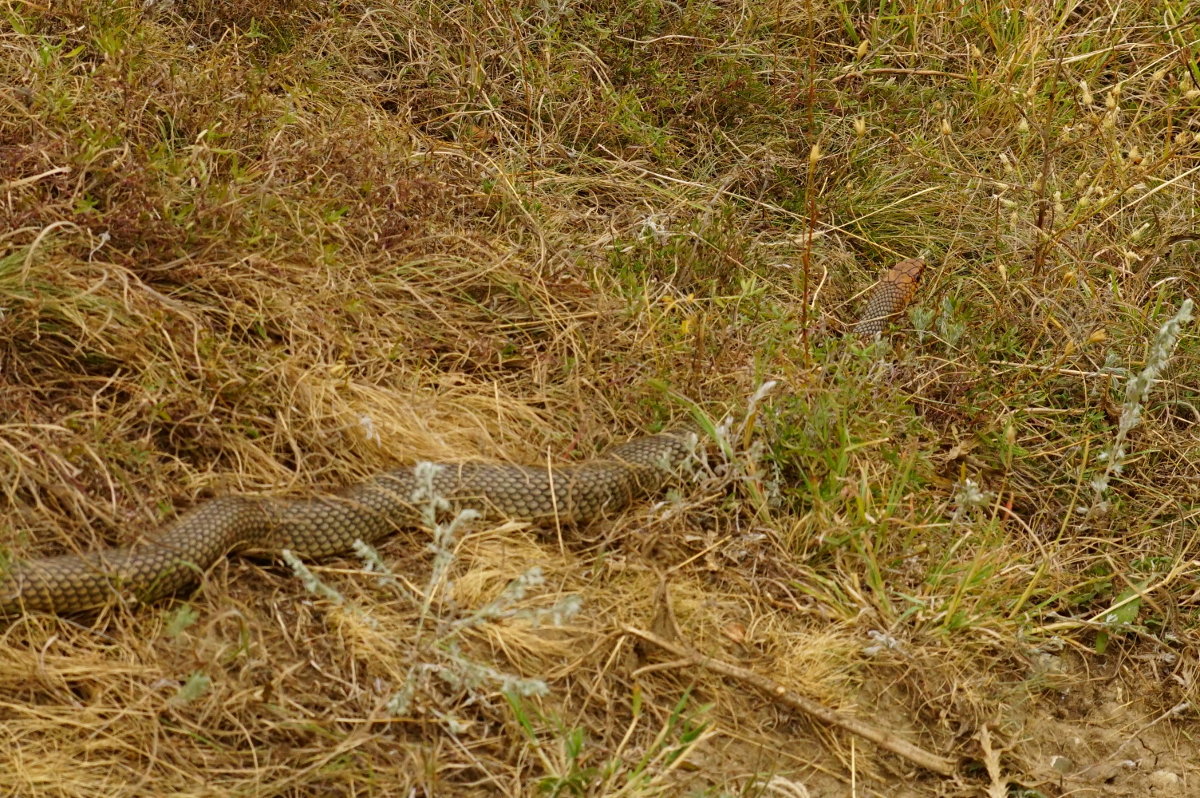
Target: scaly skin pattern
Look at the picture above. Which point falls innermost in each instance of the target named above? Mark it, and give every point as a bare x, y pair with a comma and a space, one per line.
328, 525
890, 296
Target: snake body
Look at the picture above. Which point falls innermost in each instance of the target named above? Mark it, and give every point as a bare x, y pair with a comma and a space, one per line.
370, 510
327, 525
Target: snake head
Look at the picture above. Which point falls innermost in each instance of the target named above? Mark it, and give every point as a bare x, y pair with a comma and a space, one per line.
890, 296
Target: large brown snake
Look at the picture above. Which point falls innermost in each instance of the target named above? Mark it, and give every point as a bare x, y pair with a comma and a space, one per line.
367, 511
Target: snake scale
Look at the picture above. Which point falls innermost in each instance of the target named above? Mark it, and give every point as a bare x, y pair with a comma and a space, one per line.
370, 510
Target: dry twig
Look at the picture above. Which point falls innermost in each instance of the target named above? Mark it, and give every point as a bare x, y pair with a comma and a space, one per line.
898, 71
881, 737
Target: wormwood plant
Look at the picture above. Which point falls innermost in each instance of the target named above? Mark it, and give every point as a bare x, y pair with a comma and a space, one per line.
1124, 610
1137, 391
438, 672
440, 677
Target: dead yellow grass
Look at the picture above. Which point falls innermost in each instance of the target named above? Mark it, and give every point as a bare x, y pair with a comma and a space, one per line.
261, 252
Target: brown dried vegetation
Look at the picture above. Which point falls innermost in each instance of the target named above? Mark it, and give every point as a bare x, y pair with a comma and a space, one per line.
248, 250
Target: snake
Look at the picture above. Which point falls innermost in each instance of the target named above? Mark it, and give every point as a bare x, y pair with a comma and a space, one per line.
326, 525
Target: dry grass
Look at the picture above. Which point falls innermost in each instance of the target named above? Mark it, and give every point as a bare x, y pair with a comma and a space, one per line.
262, 252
